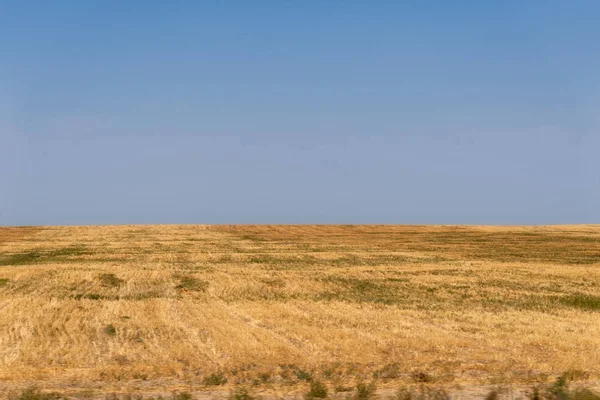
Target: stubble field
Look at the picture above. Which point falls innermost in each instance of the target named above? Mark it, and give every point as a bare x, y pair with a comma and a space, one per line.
206, 309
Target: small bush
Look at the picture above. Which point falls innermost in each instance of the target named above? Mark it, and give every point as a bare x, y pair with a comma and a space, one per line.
422, 377
303, 375
242, 394
493, 395
110, 330
364, 391
264, 377
216, 379
560, 388
110, 280
3, 282
318, 390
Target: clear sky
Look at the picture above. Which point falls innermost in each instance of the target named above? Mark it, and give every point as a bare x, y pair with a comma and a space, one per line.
290, 111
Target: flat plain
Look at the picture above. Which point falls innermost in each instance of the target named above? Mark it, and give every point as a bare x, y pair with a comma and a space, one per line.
205, 309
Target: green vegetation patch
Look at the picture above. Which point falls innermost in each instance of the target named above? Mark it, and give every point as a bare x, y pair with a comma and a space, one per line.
40, 256
362, 291
190, 283
36, 394
318, 390
110, 330
110, 280
216, 379
151, 294
365, 391
242, 393
582, 301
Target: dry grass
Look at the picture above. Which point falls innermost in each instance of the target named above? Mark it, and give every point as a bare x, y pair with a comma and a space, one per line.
276, 306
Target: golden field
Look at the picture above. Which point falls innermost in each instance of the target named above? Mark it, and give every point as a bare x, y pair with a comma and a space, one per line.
207, 308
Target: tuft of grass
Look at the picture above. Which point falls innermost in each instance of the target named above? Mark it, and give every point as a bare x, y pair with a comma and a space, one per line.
190, 283
4, 281
110, 330
181, 396
493, 395
110, 280
422, 377
560, 388
318, 390
264, 377
365, 391
88, 296
274, 282
304, 375
242, 393
388, 371
215, 379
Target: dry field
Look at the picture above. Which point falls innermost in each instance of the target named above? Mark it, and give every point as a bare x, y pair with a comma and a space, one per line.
206, 308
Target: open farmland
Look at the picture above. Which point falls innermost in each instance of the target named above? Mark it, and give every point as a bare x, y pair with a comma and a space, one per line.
208, 308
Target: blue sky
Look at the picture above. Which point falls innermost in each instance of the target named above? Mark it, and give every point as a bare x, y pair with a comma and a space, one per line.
433, 112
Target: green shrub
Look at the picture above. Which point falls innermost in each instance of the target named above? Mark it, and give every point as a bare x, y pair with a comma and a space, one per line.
216, 379
304, 375
364, 391
110, 330
241, 394
318, 390
422, 377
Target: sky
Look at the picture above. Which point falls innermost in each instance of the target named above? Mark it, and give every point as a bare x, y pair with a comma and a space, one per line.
289, 111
